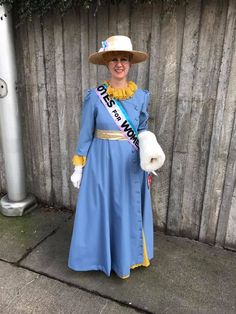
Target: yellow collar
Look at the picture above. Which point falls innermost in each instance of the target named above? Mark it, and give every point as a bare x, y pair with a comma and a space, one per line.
122, 93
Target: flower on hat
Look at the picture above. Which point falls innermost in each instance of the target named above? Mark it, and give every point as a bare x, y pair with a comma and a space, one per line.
105, 45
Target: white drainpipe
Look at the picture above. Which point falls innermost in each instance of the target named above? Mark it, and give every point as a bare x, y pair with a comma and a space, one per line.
17, 201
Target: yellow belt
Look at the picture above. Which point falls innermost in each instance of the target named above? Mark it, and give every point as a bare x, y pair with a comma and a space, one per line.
109, 135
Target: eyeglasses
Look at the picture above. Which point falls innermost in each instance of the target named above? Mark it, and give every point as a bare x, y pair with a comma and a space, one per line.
123, 61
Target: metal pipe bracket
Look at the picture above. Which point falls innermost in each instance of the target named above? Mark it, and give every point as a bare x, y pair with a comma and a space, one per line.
3, 88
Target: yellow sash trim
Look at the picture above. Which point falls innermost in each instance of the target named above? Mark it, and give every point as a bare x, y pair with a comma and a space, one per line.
122, 93
79, 160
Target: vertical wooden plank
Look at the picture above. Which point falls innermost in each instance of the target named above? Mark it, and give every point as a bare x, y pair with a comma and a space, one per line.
62, 108
92, 39
123, 19
102, 34
154, 63
112, 20
140, 33
42, 113
32, 102
51, 98
21, 93
35, 119
220, 140
170, 40
183, 121
84, 18
230, 241
226, 232
154, 70
227, 208
25, 102
73, 88
119, 19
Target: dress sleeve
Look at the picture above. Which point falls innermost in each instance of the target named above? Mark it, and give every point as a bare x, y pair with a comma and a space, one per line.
87, 125
143, 118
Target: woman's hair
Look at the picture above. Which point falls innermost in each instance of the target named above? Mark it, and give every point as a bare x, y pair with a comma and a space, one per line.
112, 54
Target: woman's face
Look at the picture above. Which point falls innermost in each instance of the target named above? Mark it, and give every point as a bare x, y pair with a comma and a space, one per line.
119, 64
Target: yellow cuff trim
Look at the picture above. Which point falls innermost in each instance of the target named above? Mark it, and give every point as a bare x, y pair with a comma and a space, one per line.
79, 160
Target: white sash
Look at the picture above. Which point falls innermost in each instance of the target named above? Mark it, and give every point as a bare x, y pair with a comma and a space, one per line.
119, 116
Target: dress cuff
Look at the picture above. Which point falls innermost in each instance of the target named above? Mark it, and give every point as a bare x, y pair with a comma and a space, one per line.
79, 160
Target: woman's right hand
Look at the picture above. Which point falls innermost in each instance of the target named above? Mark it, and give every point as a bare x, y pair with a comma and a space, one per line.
77, 176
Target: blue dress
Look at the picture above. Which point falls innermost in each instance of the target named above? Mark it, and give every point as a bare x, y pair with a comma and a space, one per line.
113, 213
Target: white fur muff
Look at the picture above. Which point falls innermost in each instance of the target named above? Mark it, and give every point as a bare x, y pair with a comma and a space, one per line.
151, 154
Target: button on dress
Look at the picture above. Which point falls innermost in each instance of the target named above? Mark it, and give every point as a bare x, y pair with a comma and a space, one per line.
113, 219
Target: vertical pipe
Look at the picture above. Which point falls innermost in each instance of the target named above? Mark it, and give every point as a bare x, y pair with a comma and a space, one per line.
10, 117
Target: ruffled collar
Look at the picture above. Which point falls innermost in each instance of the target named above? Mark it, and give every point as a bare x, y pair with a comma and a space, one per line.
121, 93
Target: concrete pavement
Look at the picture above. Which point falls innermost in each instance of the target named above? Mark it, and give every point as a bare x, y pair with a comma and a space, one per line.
184, 277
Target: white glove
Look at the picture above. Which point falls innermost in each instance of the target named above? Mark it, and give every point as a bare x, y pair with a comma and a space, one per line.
151, 154
76, 176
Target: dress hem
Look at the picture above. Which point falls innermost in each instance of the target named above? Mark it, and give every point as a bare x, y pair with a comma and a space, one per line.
90, 268
101, 268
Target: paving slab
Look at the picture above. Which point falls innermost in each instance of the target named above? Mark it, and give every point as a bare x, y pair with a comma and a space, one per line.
23, 291
18, 235
184, 277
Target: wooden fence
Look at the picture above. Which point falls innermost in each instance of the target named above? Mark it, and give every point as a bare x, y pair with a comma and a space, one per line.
191, 74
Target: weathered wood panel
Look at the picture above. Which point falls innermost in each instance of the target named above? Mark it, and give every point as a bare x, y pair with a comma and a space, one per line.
73, 73
191, 75
102, 32
221, 133
92, 48
62, 107
183, 116
226, 222
154, 122
39, 111
171, 38
213, 15
49, 45
228, 207
23, 77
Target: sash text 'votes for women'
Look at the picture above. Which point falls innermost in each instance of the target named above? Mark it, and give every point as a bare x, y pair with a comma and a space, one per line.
119, 116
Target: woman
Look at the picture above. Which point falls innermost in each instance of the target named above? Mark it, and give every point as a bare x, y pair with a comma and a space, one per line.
113, 228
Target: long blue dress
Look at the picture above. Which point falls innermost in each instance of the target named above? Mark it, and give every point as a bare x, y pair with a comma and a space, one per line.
114, 203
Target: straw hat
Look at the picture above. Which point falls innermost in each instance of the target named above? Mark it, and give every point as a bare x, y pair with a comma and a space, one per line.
117, 43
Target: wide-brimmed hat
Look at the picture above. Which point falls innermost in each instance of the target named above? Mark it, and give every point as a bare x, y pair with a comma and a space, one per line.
117, 43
